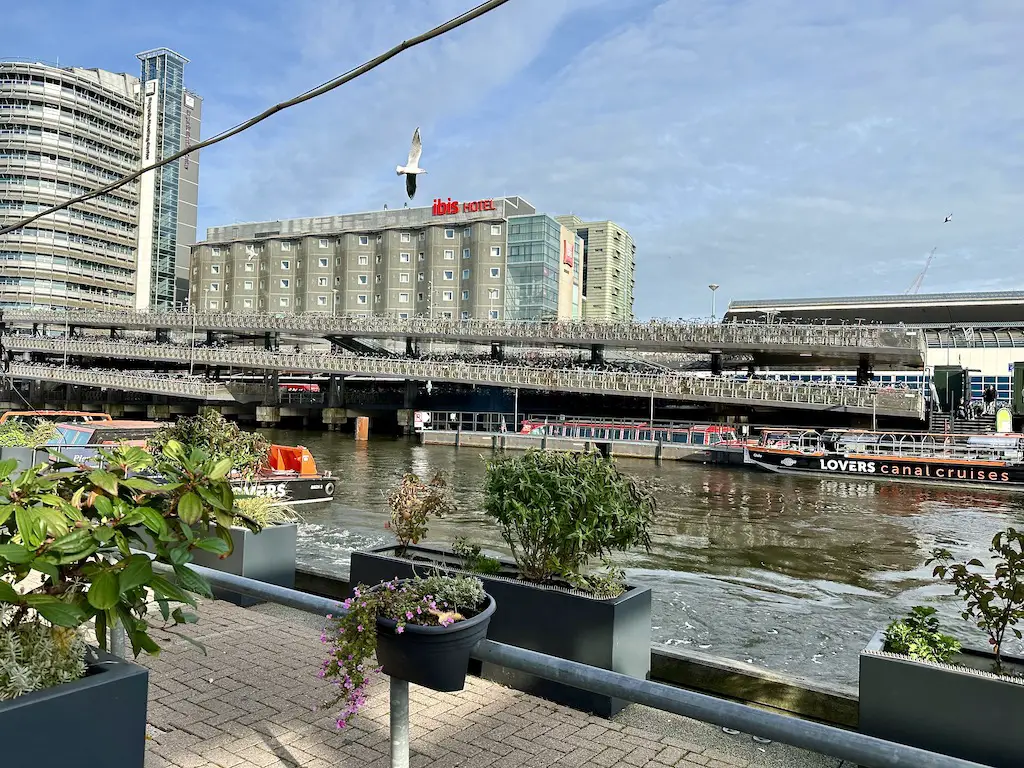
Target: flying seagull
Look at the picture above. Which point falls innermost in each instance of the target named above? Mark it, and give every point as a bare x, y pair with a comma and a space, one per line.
948, 219
412, 167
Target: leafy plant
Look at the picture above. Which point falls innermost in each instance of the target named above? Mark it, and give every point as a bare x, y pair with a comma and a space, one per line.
412, 502
219, 438
611, 583
20, 434
70, 527
995, 604
257, 512
472, 559
917, 635
433, 601
35, 655
556, 511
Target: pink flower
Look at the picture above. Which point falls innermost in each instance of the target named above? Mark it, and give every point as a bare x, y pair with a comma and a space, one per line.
408, 614
359, 628
399, 630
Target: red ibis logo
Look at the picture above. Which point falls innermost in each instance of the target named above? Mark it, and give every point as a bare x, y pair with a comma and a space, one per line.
450, 207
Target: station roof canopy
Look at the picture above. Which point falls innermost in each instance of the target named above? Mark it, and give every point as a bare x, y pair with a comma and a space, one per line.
996, 308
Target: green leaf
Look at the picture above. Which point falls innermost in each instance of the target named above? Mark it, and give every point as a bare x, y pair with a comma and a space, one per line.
56, 611
47, 568
165, 589
174, 450
142, 640
8, 594
103, 533
15, 553
152, 519
104, 506
101, 630
73, 541
142, 484
212, 498
104, 592
215, 545
224, 534
28, 522
180, 554
104, 480
6, 510
7, 466
220, 469
190, 508
192, 581
165, 609
183, 617
138, 571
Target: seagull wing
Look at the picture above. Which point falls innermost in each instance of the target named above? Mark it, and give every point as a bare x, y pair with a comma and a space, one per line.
415, 151
410, 184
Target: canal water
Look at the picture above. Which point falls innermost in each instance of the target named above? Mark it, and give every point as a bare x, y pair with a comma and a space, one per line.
792, 574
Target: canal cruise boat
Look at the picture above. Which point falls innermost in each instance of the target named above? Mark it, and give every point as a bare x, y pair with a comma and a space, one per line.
991, 461
289, 476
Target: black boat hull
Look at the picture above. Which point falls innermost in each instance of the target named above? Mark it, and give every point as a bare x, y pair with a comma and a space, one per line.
292, 491
958, 473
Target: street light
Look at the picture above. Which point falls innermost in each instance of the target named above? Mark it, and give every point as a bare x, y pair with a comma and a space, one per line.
334, 302
714, 288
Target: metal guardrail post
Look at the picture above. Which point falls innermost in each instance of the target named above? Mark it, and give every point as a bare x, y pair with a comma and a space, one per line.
117, 641
399, 722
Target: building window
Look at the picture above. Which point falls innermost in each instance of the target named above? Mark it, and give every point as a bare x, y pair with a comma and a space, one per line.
363, 279
419, 277
465, 274
285, 265
283, 301
215, 269
376, 299
495, 271
495, 251
495, 229
493, 293
465, 295
467, 232
247, 285
286, 246
446, 315
214, 287
493, 314
250, 267
422, 236
364, 239
465, 315
465, 253
361, 298
214, 304
324, 242
376, 279
325, 263
405, 258
321, 282
321, 300
449, 234
419, 297
380, 238
246, 303
449, 254
285, 282
403, 315
364, 260
447, 295
406, 237
403, 277
215, 251
449, 274
403, 298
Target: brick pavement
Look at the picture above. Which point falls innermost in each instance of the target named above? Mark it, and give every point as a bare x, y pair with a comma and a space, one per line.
251, 702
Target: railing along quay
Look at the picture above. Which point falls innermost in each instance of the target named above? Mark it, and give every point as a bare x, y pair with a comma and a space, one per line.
832, 340
123, 380
670, 386
858, 748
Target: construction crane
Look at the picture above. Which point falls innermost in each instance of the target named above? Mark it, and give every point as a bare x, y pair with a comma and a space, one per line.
916, 285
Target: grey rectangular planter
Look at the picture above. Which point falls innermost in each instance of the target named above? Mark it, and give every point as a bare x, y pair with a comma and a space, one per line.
957, 709
96, 722
26, 457
610, 634
267, 556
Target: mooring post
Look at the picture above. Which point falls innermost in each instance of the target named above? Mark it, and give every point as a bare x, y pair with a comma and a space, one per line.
399, 723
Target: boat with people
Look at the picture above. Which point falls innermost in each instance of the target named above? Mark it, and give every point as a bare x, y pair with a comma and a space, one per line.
289, 474
994, 460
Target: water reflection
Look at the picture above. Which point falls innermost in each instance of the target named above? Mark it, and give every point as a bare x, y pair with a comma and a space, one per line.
791, 573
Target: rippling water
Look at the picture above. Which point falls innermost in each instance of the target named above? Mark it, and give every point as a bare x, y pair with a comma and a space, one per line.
792, 574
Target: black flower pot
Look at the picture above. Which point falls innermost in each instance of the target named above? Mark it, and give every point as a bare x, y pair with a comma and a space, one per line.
433, 657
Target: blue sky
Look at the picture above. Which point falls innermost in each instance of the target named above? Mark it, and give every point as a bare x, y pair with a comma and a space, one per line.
776, 147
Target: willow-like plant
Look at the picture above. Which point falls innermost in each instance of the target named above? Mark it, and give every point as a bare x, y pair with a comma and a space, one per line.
413, 502
219, 438
557, 511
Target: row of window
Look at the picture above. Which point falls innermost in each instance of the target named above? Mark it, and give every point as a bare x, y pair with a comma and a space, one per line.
321, 282
405, 237
75, 91
404, 257
117, 156
321, 301
78, 116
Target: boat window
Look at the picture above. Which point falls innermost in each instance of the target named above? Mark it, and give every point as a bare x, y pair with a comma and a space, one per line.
698, 438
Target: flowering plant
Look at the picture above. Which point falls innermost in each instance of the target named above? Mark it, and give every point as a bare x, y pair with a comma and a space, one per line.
438, 601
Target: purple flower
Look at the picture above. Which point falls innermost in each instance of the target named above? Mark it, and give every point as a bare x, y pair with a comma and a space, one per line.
408, 614
358, 629
418, 609
399, 630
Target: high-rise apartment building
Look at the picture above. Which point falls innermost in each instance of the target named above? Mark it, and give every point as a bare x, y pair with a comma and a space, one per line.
65, 131
609, 267
493, 258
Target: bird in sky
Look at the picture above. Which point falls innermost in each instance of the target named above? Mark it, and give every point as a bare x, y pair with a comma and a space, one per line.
948, 219
412, 169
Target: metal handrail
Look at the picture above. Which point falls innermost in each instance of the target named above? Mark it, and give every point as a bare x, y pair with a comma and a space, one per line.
192, 388
829, 740
678, 386
703, 335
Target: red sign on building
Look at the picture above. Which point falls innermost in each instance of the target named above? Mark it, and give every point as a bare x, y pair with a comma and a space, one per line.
450, 207
568, 252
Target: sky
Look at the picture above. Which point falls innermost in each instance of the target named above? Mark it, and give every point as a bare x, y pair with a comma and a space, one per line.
778, 148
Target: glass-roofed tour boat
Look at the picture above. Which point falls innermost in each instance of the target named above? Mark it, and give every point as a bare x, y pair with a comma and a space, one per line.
993, 460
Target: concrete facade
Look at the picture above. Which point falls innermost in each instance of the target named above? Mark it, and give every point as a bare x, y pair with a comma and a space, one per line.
609, 267
65, 131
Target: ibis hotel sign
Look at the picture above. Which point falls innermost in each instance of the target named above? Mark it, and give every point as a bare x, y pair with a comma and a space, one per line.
450, 207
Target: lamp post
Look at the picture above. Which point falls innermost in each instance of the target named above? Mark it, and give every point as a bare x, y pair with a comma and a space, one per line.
714, 288
334, 302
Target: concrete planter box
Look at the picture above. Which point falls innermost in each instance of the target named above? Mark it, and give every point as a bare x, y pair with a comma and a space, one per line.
610, 634
267, 556
959, 710
96, 722
26, 457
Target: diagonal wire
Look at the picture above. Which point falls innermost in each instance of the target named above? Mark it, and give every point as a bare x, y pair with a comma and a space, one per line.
330, 85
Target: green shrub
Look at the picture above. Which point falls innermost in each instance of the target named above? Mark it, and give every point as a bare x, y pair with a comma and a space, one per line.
35, 655
557, 511
917, 635
472, 559
20, 434
219, 438
412, 502
257, 512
